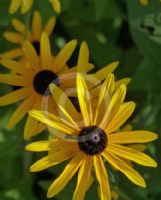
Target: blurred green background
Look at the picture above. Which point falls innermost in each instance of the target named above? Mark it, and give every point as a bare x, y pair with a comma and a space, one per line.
114, 30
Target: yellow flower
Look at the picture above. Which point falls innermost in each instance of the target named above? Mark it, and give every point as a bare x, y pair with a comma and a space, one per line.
56, 5
24, 5
39, 71
22, 33
89, 138
144, 2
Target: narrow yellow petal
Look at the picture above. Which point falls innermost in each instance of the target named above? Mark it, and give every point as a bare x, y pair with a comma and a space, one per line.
84, 176
14, 66
19, 26
15, 96
131, 154
14, 53
105, 94
15, 80
21, 111
38, 146
83, 58
50, 25
132, 137
69, 171
13, 37
125, 111
102, 73
43, 163
51, 120
84, 100
36, 25
31, 126
45, 51
26, 5
120, 165
56, 5
114, 105
31, 54
102, 178
14, 6
64, 55
65, 105
124, 81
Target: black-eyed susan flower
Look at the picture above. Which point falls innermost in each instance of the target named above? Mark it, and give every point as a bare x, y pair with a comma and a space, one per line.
33, 75
23, 33
39, 71
56, 5
89, 138
24, 6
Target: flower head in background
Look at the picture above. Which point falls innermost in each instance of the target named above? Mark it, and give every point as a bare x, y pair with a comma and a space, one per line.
144, 2
33, 76
89, 142
23, 33
24, 5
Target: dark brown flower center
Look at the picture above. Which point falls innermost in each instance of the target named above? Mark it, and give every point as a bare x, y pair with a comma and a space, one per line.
92, 140
42, 80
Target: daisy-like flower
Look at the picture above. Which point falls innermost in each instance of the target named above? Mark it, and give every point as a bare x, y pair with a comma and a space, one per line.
33, 75
22, 33
56, 5
90, 141
38, 72
24, 5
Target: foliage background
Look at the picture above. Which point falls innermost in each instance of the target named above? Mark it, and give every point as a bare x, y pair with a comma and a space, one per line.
114, 30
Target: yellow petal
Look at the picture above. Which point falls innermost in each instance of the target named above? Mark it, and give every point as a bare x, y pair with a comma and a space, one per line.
38, 146
49, 26
64, 55
125, 111
15, 96
102, 178
105, 94
26, 5
84, 100
120, 165
51, 120
131, 154
31, 54
21, 111
42, 164
14, 53
83, 58
124, 81
65, 105
69, 171
128, 137
19, 26
114, 105
14, 80
15, 66
56, 5
36, 25
103, 73
45, 51
14, 6
30, 129
83, 179
13, 37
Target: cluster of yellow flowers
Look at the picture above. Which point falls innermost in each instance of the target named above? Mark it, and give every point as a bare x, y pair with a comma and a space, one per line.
83, 111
